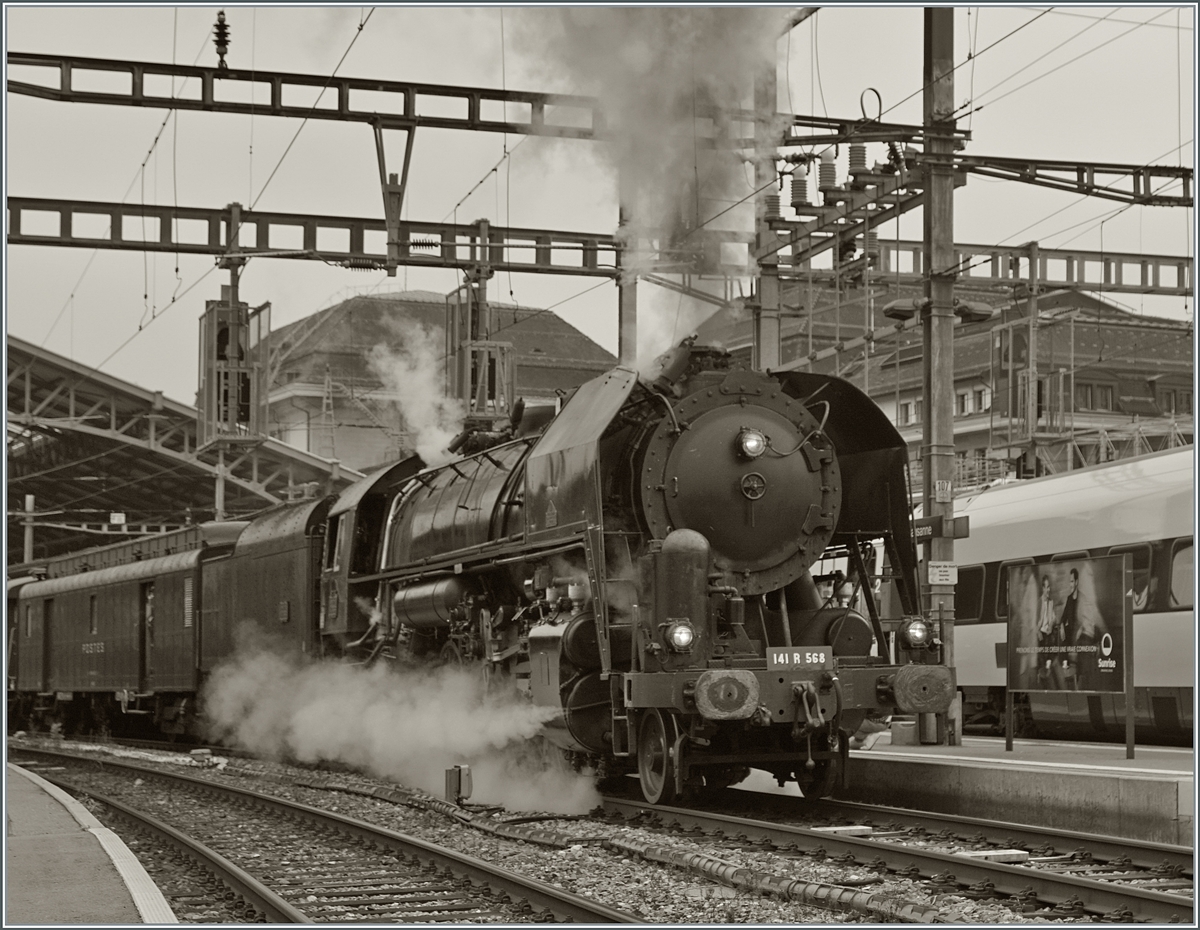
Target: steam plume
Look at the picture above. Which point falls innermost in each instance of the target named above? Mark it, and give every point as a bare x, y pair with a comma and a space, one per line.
414, 371
654, 70
409, 726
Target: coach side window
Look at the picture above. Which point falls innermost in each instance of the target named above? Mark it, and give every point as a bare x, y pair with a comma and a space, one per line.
1002, 587
1139, 560
968, 594
1183, 570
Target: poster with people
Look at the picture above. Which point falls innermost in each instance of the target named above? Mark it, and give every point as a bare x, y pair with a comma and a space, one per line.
1067, 625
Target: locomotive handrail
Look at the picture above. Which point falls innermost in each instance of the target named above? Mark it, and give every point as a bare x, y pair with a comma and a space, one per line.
446, 566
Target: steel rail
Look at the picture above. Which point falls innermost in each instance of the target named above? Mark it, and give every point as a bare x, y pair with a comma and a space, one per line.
564, 905
1141, 853
249, 888
1099, 897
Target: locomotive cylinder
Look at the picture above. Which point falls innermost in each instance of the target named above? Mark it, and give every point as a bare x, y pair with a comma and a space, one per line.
429, 604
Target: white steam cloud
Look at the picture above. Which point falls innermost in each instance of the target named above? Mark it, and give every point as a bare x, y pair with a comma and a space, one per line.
664, 320
654, 69
406, 725
414, 370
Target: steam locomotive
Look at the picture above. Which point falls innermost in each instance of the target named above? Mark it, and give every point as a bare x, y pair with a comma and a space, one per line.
637, 563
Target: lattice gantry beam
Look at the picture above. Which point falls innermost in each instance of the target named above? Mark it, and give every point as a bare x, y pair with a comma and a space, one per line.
1141, 184
1082, 269
349, 241
383, 103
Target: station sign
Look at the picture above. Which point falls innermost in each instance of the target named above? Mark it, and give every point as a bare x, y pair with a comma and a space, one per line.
941, 527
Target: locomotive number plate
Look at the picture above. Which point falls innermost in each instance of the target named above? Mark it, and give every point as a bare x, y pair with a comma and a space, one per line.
781, 658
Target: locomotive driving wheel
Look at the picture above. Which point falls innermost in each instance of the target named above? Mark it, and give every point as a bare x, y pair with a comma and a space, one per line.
451, 654
657, 737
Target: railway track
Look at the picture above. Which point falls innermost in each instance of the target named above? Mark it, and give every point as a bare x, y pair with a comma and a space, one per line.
292, 863
1104, 877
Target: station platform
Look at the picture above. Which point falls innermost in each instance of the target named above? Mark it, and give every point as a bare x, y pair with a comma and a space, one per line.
1089, 787
62, 866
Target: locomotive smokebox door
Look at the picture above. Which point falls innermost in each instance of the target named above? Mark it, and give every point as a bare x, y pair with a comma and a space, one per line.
231, 394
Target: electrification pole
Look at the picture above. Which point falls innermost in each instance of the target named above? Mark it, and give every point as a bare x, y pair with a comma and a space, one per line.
938, 320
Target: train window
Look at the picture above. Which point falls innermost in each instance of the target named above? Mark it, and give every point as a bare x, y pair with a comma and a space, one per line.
92, 615
1139, 562
333, 543
968, 594
28, 621
1002, 587
1183, 572
1069, 556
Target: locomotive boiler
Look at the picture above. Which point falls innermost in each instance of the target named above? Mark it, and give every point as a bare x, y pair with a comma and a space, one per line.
639, 566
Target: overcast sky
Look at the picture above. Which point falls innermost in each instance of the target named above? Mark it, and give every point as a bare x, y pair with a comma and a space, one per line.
1128, 99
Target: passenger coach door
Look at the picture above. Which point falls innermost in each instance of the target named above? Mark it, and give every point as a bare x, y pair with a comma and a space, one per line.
146, 636
47, 640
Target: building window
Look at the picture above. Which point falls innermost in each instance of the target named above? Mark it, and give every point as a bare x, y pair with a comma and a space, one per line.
910, 412
1094, 397
962, 404
1178, 402
983, 400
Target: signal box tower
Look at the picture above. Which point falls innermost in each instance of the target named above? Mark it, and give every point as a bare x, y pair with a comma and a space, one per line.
231, 396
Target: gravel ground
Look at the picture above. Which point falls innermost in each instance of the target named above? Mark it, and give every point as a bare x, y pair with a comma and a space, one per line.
657, 893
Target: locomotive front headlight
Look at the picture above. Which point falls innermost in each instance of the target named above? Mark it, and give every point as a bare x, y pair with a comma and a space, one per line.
915, 634
752, 443
681, 635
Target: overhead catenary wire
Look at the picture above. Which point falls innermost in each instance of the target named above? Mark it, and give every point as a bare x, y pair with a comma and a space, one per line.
1065, 63
877, 118
971, 99
1060, 12
357, 32
234, 233
134, 180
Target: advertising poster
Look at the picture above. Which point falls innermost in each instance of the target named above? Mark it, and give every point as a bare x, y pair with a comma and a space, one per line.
1066, 625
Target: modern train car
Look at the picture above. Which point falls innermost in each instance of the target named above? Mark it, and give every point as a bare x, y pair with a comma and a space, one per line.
1143, 507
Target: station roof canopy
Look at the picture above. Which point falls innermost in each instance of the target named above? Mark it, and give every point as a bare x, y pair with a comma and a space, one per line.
90, 448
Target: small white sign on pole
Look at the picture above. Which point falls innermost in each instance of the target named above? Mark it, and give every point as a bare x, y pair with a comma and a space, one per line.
943, 573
